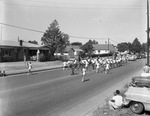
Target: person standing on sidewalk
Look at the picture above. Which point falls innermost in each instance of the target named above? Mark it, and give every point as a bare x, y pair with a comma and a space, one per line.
29, 68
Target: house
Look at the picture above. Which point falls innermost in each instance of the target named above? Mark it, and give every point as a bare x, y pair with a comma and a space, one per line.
104, 49
73, 51
19, 50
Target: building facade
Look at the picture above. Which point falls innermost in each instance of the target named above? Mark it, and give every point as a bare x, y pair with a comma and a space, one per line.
104, 49
19, 51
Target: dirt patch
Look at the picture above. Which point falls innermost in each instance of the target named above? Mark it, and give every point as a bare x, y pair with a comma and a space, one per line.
105, 111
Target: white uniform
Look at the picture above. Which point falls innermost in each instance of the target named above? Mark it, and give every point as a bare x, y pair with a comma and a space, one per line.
83, 71
30, 66
118, 101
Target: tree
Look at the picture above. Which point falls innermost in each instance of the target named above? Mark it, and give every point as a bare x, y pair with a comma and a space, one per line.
123, 47
88, 47
55, 39
94, 42
33, 42
77, 43
144, 47
136, 46
129, 46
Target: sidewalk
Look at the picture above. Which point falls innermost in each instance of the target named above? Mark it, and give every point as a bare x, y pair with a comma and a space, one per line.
13, 68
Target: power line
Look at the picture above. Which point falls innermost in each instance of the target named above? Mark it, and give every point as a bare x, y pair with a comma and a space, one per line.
44, 32
33, 30
22, 28
66, 7
87, 37
63, 3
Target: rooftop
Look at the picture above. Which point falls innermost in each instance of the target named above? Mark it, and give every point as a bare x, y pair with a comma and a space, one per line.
104, 47
17, 44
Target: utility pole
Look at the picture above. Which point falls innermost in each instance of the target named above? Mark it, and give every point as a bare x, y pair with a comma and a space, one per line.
147, 32
108, 47
1, 33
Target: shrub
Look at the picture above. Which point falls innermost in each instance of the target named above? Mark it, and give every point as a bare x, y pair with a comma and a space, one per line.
42, 57
52, 58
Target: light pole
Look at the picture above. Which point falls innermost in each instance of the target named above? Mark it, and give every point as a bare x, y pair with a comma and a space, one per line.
108, 47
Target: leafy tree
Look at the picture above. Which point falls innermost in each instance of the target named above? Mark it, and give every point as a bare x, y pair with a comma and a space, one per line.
33, 42
55, 39
136, 46
88, 47
94, 42
77, 43
123, 47
129, 46
42, 57
144, 47
62, 43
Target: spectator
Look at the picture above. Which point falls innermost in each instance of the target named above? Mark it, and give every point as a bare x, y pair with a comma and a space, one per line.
116, 101
146, 68
146, 71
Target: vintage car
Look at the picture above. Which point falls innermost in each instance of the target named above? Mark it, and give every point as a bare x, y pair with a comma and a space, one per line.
138, 94
140, 81
132, 57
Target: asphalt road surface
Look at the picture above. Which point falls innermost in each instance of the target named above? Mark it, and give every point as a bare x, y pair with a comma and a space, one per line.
51, 93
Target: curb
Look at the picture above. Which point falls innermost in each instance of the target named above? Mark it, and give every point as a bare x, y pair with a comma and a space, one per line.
34, 70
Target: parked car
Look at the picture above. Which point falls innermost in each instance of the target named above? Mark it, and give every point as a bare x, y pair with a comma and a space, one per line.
139, 81
132, 58
138, 94
139, 56
33, 58
143, 55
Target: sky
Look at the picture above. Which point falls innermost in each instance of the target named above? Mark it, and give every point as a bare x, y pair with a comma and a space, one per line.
118, 20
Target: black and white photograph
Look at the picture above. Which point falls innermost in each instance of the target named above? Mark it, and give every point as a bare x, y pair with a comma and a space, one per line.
74, 58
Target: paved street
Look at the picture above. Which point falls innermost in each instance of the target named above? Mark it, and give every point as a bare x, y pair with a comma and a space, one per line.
54, 92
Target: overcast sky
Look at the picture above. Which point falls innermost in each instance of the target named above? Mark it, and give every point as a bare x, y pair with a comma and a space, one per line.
119, 20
